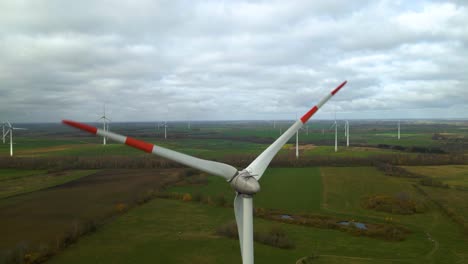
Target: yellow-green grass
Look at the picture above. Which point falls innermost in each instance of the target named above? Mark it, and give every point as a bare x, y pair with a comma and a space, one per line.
452, 199
295, 190
20, 182
453, 175
89, 146
168, 231
8, 174
344, 187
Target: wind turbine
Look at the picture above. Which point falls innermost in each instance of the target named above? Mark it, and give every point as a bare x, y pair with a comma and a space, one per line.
105, 124
297, 144
10, 131
244, 182
165, 130
335, 124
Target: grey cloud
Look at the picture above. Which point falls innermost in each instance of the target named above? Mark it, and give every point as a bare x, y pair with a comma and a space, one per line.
229, 59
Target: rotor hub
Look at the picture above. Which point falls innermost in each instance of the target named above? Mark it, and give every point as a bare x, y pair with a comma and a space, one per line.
245, 183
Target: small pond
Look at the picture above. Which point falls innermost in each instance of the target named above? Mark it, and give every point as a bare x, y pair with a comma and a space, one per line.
287, 217
356, 224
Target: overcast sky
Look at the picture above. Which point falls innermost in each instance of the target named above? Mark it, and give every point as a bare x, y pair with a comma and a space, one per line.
224, 60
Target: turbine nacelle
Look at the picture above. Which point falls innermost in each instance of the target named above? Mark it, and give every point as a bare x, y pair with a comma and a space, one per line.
245, 183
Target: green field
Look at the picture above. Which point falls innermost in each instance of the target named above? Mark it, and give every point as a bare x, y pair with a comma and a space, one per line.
15, 182
155, 230
189, 228
453, 175
39, 206
301, 189
40, 217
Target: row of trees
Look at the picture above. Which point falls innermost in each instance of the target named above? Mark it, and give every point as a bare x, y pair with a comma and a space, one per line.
281, 160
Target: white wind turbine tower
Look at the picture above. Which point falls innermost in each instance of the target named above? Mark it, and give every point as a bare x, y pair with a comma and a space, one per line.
335, 124
10, 131
244, 182
105, 125
297, 144
165, 130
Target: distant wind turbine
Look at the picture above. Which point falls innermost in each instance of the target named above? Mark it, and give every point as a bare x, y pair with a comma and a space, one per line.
10, 131
105, 124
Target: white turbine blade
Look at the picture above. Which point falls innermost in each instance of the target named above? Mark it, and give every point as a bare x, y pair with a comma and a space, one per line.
19, 128
259, 165
239, 214
217, 168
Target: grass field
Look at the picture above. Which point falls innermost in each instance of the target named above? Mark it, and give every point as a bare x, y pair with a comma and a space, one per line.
40, 217
453, 175
344, 187
188, 237
300, 187
154, 231
37, 207
15, 182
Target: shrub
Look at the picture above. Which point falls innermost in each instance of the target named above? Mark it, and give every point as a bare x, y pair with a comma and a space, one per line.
121, 207
400, 203
276, 237
228, 230
187, 197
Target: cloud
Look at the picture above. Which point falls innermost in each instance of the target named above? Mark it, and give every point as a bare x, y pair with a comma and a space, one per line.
175, 60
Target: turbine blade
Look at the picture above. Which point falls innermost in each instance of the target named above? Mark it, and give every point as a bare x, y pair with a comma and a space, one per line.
217, 168
259, 165
239, 214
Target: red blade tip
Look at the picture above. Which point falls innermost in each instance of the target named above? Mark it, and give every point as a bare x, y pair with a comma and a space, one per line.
81, 126
338, 88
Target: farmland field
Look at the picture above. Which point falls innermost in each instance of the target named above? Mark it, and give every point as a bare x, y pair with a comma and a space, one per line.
15, 182
192, 226
453, 175
39, 204
58, 209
